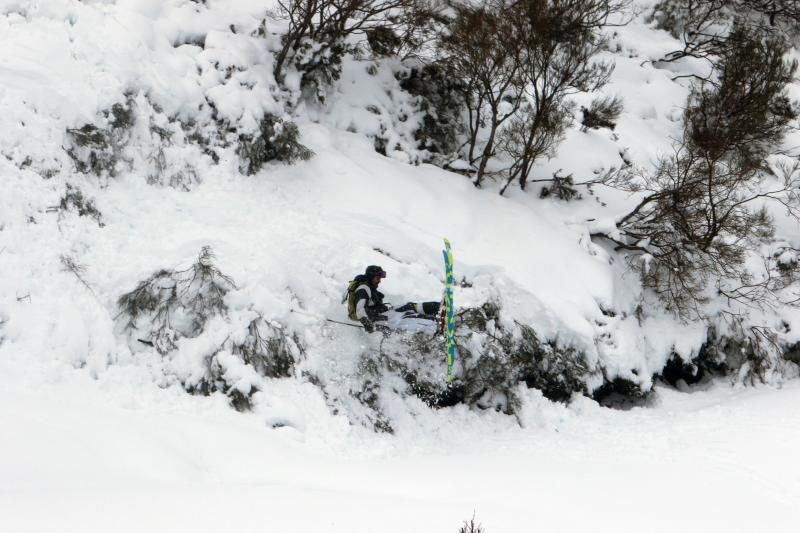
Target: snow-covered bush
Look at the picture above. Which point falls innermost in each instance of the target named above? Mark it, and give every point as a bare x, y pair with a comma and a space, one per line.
702, 231
74, 200
276, 140
269, 349
236, 368
176, 303
441, 105
701, 217
493, 360
98, 149
183, 315
136, 134
319, 33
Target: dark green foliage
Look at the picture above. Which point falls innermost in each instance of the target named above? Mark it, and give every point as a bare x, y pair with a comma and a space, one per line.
178, 302
562, 187
620, 393
491, 366
74, 199
277, 140
752, 351
269, 349
121, 116
175, 304
383, 41
558, 371
97, 150
441, 103
602, 113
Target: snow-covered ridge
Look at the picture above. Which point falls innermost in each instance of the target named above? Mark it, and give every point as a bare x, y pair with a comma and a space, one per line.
170, 89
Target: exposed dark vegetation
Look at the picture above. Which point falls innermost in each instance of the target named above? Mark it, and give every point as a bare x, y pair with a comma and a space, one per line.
277, 140
603, 112
493, 362
471, 526
99, 149
74, 200
172, 305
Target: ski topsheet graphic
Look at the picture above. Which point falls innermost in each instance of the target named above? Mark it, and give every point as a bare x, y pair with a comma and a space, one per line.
449, 325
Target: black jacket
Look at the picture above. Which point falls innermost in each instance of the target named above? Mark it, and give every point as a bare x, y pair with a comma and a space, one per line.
369, 301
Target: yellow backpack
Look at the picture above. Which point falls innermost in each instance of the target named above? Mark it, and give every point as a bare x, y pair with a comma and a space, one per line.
351, 297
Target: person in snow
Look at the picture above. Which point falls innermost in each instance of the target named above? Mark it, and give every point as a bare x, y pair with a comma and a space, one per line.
365, 303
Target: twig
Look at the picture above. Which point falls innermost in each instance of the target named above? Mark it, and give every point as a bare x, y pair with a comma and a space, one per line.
76, 269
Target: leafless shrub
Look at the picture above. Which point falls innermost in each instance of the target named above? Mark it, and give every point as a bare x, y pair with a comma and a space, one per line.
517, 64
558, 45
701, 216
704, 25
319, 32
480, 52
77, 270
470, 526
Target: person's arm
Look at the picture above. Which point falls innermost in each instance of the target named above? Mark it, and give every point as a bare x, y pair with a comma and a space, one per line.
362, 297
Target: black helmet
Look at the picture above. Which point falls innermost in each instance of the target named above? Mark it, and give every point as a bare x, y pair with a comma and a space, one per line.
374, 270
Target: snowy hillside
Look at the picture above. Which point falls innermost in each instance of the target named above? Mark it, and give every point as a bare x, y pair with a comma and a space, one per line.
178, 226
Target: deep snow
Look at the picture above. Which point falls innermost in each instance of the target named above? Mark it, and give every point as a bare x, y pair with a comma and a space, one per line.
95, 432
75, 456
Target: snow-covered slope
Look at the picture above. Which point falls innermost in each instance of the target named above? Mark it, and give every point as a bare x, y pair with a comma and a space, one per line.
77, 457
86, 406
290, 236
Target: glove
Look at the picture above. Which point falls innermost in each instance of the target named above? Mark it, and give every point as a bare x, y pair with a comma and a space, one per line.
367, 323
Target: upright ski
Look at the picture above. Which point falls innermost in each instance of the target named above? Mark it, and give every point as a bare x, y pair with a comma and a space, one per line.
449, 324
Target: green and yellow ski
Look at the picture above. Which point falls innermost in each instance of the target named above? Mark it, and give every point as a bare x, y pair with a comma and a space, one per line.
449, 324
